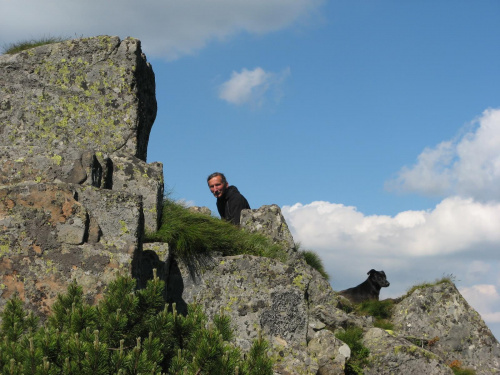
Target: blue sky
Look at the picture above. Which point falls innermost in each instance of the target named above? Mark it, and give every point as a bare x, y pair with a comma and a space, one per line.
375, 125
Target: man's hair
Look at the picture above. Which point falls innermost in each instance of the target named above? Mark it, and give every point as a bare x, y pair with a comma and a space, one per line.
218, 174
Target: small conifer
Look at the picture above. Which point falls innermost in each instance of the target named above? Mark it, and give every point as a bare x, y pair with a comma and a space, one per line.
129, 332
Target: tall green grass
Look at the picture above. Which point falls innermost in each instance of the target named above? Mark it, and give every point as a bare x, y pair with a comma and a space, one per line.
315, 262
191, 234
353, 336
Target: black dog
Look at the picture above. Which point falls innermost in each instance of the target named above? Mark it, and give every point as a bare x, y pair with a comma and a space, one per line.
367, 290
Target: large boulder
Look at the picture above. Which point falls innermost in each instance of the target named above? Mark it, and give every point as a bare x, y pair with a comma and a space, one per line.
392, 355
48, 239
263, 296
84, 93
440, 319
269, 221
76, 193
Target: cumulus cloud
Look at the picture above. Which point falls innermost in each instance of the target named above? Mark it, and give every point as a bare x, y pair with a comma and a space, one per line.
167, 28
251, 86
468, 165
455, 225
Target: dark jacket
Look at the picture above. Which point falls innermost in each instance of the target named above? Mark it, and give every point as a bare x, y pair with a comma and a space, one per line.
231, 204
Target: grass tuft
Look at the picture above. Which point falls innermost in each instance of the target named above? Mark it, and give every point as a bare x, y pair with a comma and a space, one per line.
191, 234
380, 310
315, 262
359, 353
16, 47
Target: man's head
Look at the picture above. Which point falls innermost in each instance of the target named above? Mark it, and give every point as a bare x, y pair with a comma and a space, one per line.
217, 184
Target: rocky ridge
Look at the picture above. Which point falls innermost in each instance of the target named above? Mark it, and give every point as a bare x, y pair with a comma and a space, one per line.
76, 196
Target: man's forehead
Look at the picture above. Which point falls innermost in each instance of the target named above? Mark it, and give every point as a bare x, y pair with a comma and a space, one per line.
215, 180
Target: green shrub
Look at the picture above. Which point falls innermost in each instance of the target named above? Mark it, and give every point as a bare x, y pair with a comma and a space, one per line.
128, 332
315, 262
380, 310
27, 44
359, 353
190, 234
377, 309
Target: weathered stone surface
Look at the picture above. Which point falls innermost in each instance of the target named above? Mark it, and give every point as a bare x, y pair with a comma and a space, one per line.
118, 214
259, 294
119, 172
268, 220
135, 176
43, 234
391, 355
74, 185
442, 320
79, 93
330, 352
37, 218
37, 164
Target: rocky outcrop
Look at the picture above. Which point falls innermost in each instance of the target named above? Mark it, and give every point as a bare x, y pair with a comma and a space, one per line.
440, 319
76, 196
84, 93
76, 193
268, 220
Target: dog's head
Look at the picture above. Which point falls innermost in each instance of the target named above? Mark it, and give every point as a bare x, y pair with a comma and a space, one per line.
378, 278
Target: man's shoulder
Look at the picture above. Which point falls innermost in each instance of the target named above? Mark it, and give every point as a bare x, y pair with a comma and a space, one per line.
233, 192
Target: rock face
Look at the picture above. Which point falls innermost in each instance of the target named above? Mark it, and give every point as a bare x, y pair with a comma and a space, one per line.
84, 93
269, 221
76, 196
441, 320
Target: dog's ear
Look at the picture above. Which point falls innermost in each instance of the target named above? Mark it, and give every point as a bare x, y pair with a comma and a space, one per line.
371, 272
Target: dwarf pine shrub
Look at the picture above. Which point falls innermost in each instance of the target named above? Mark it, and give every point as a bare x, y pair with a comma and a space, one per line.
129, 332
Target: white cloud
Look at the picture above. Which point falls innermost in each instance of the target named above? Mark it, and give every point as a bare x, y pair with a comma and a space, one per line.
455, 225
468, 166
168, 28
251, 86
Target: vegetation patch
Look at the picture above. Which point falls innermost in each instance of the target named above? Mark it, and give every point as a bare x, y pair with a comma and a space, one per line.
380, 310
315, 262
191, 234
359, 353
129, 332
16, 47
456, 367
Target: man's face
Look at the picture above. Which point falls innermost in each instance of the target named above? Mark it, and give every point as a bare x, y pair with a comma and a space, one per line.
217, 187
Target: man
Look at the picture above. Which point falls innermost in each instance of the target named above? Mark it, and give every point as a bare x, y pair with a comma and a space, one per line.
230, 202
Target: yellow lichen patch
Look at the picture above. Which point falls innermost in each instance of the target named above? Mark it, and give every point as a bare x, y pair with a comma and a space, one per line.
123, 227
57, 159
